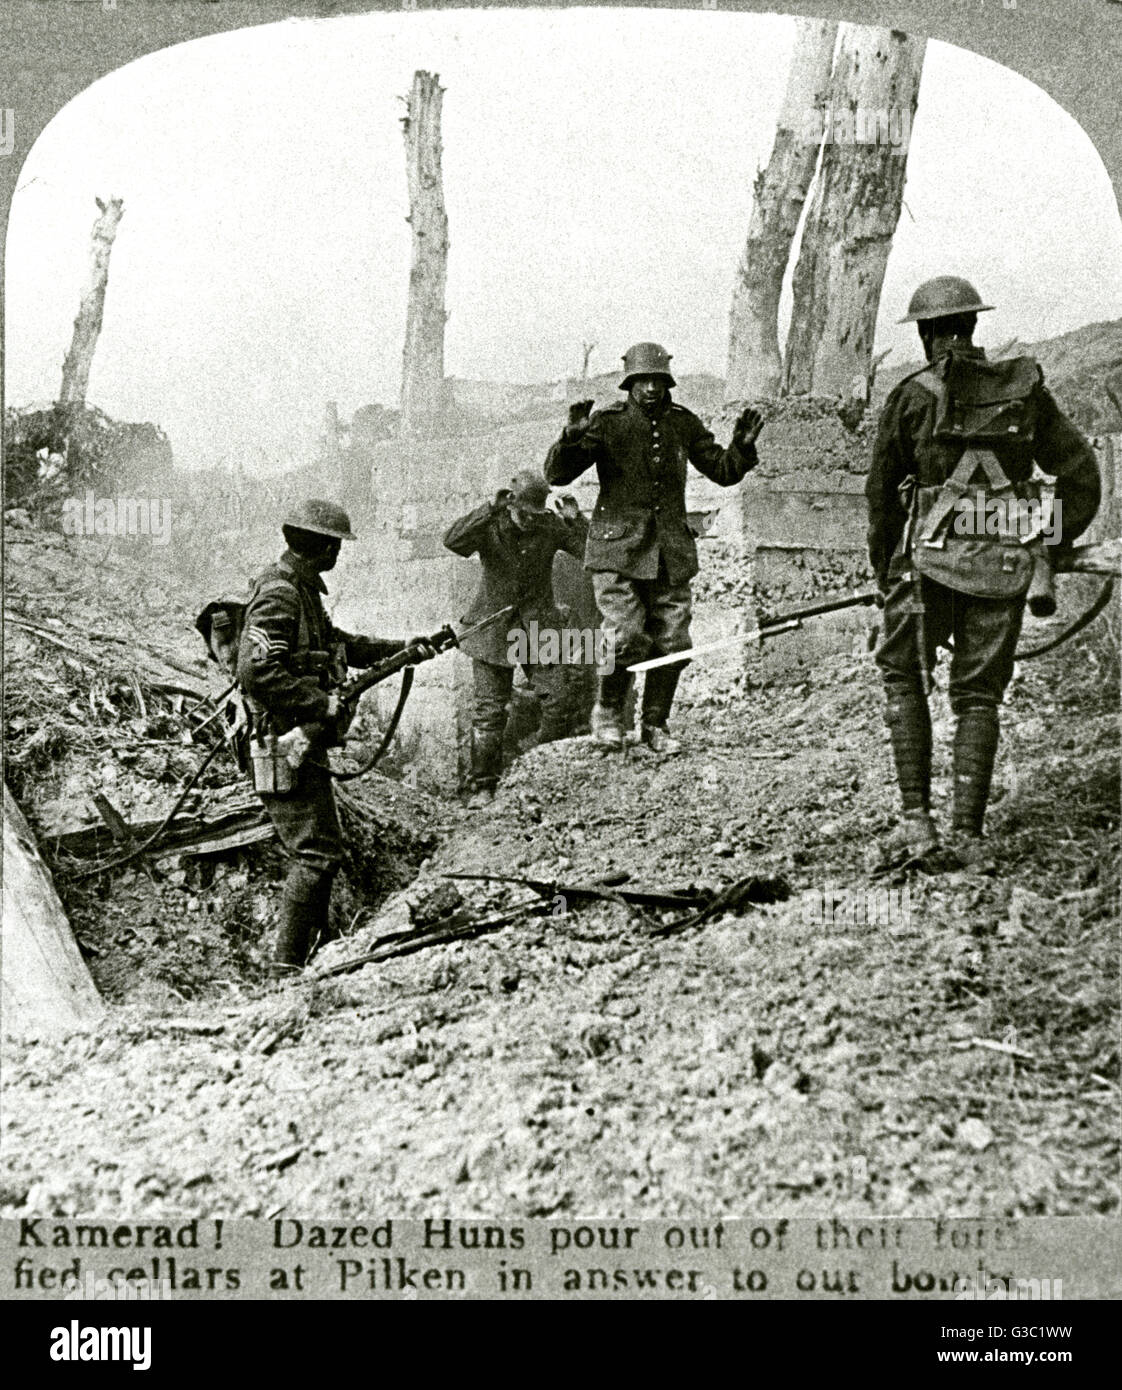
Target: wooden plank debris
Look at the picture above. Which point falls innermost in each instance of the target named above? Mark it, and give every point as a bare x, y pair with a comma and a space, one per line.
45, 987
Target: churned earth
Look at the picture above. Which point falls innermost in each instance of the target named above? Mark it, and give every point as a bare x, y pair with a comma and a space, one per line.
958, 1056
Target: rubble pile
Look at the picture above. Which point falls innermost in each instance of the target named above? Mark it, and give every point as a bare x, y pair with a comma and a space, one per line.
54, 451
110, 709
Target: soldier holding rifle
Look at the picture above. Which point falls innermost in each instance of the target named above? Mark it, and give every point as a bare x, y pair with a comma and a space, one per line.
291, 665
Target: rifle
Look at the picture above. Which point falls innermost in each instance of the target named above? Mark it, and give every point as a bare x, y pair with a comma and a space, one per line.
295, 745
781, 622
909, 496
595, 892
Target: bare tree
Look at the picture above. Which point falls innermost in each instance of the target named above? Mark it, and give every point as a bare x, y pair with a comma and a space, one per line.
587, 349
87, 326
850, 225
755, 365
423, 388
332, 446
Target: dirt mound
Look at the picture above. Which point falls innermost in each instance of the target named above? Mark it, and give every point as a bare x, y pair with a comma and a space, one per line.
958, 1055
110, 708
54, 451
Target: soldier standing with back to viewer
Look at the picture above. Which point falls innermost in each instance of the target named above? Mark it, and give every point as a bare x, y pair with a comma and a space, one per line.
640, 550
516, 537
957, 440
291, 664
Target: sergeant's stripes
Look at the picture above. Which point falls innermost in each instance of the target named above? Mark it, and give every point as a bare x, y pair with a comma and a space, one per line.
267, 645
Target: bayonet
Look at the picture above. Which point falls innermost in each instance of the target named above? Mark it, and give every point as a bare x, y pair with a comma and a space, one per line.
782, 622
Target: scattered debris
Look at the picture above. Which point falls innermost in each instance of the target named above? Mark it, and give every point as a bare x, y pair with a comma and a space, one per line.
975, 1134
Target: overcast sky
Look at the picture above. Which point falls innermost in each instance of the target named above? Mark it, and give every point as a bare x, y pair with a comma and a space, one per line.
598, 168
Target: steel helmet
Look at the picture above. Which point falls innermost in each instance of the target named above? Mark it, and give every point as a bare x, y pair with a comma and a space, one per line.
945, 295
646, 359
325, 518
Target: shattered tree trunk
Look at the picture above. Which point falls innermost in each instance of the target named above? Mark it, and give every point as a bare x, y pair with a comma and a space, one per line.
339, 471
423, 388
755, 365
849, 229
332, 447
47, 990
87, 326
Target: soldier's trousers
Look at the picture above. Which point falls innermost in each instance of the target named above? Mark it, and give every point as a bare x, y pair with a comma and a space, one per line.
493, 686
984, 633
307, 820
307, 824
643, 617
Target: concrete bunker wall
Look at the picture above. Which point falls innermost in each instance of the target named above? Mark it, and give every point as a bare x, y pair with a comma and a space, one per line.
408, 583
804, 527
403, 581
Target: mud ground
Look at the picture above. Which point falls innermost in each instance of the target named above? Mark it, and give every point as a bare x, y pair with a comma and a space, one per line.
958, 1057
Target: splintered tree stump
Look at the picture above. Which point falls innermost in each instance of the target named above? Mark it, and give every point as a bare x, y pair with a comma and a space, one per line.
87, 326
755, 364
46, 988
852, 220
424, 392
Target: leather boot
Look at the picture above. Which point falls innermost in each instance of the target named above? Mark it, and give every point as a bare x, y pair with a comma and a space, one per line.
658, 696
486, 759
607, 713
975, 750
304, 905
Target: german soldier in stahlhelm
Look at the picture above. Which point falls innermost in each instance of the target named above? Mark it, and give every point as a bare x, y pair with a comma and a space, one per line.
955, 541
291, 663
640, 550
516, 537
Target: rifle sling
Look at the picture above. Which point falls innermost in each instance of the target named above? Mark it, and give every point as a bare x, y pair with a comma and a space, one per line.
391, 729
1085, 618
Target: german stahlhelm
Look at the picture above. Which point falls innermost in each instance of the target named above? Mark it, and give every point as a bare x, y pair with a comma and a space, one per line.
645, 359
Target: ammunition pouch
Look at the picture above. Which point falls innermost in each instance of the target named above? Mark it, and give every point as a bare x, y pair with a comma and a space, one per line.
272, 773
980, 567
329, 668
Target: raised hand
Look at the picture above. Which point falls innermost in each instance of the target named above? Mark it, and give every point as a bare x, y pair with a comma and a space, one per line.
579, 413
748, 425
566, 506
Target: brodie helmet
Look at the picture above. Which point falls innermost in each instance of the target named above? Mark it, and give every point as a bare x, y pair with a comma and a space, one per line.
324, 518
943, 296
